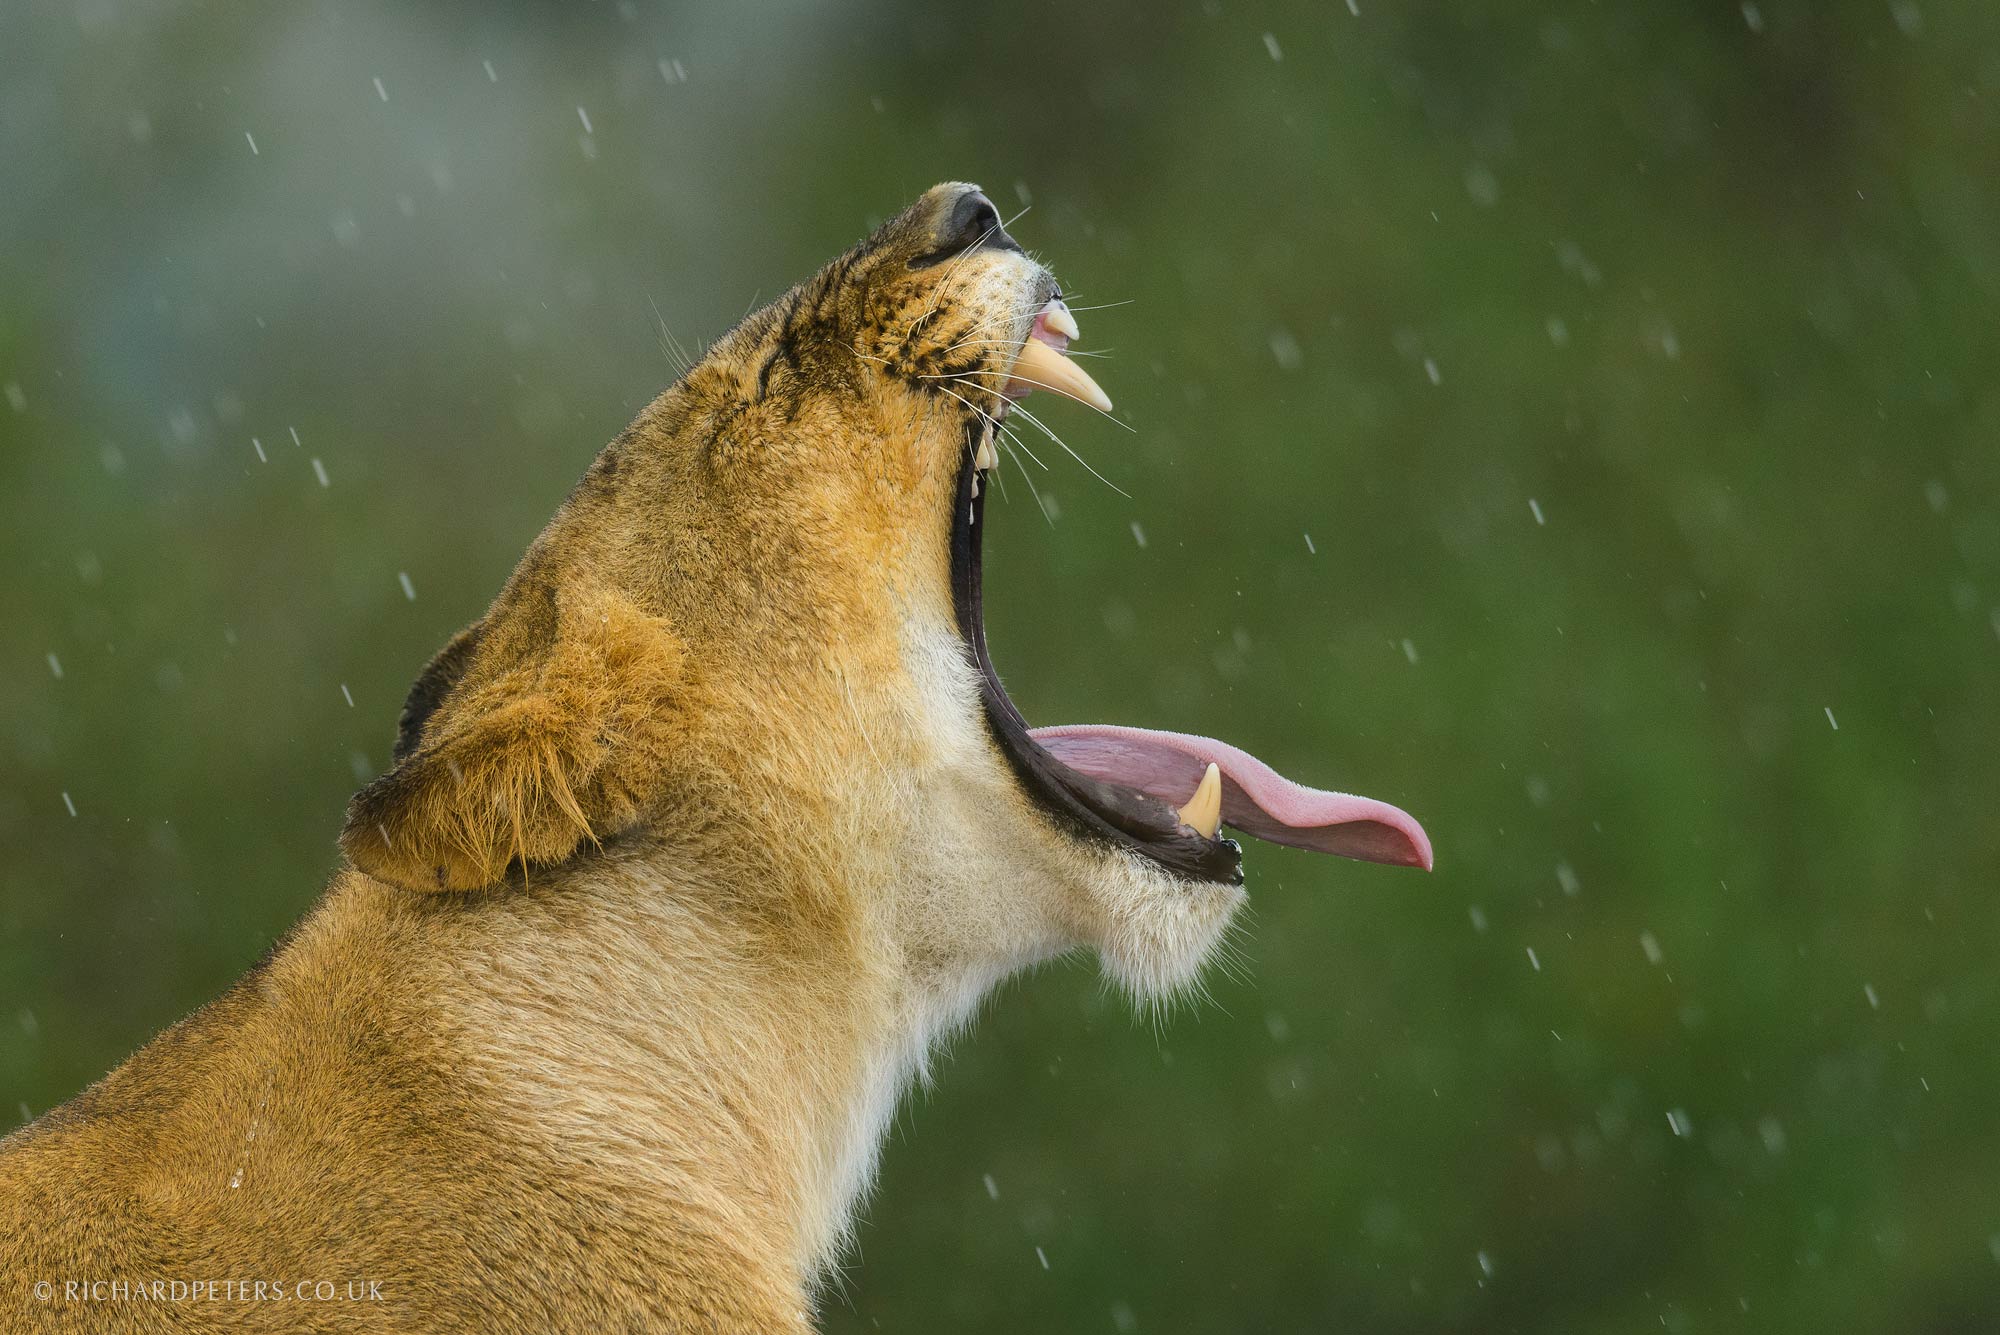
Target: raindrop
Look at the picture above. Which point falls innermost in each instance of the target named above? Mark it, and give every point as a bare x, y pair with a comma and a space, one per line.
347, 695
992, 1187
1271, 45
492, 75
1309, 544
67, 803
1534, 959
55, 665
1566, 878
1410, 651
1043, 1257
1482, 185
1431, 370
1535, 508
1574, 261
1285, 350
584, 116
251, 139
409, 589
1138, 534
1874, 1002
1678, 1119
1753, 17
319, 471
1478, 916
1651, 945
258, 446
1831, 719
380, 91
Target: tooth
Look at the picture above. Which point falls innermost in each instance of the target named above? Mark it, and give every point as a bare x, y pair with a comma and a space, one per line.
986, 456
1059, 320
1040, 366
1204, 810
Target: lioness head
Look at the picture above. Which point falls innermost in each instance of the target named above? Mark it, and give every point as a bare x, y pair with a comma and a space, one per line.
747, 654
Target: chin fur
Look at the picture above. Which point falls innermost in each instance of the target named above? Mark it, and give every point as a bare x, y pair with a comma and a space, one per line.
1155, 932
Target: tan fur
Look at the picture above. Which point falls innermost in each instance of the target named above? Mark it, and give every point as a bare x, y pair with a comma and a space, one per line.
697, 844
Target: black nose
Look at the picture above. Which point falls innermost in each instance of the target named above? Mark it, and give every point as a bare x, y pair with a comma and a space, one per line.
968, 222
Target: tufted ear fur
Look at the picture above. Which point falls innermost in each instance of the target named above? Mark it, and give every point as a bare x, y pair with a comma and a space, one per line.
546, 724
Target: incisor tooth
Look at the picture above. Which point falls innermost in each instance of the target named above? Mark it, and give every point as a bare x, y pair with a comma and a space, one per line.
1040, 366
1059, 320
986, 456
1203, 813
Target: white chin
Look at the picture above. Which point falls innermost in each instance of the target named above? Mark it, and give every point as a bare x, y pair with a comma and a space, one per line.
1156, 932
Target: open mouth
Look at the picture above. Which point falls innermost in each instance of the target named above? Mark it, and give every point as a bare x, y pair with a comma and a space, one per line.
1162, 795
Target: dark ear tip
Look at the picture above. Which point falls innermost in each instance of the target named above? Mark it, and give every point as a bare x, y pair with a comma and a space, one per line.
369, 836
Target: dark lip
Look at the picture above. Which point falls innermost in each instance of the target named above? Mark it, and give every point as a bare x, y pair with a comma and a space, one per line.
1103, 812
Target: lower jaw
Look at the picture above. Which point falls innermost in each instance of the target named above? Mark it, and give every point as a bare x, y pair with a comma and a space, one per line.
1103, 813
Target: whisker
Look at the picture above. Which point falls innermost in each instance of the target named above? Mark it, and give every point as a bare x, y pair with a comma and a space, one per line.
1015, 437
670, 347
983, 325
1000, 480
937, 293
1053, 389
1028, 310
1010, 435
1029, 478
975, 407
1072, 453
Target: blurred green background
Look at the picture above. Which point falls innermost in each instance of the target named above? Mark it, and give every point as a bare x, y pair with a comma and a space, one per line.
1574, 422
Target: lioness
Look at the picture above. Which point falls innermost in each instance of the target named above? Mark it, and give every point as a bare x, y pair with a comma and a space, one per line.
694, 845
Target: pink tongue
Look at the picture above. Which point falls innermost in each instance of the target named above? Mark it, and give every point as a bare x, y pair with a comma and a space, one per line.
1256, 799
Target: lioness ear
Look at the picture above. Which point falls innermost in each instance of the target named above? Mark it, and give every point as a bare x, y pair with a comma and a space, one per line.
546, 724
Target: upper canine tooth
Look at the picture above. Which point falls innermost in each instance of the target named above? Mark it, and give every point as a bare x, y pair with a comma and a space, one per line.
986, 456
1203, 813
1059, 320
1040, 366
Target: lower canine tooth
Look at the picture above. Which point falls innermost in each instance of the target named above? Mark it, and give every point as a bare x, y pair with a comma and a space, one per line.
1203, 813
1040, 366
